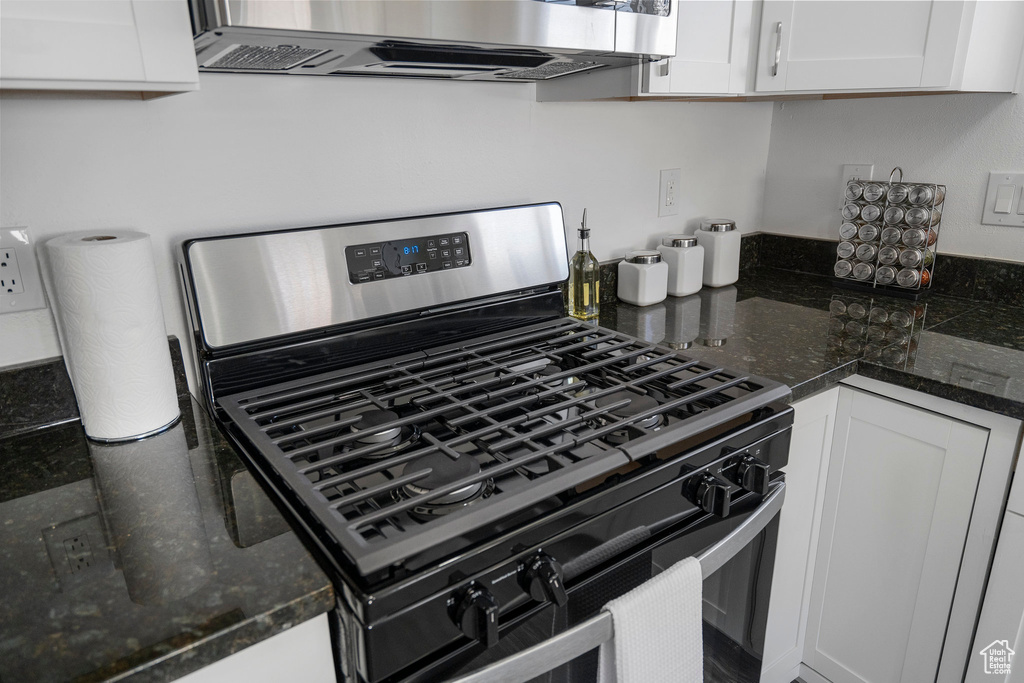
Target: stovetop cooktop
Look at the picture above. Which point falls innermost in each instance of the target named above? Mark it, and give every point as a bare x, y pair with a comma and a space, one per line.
402, 458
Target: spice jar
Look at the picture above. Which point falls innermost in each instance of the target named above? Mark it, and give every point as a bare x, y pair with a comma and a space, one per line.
868, 232
685, 259
871, 212
866, 252
843, 268
891, 235
873, 192
721, 242
848, 231
643, 278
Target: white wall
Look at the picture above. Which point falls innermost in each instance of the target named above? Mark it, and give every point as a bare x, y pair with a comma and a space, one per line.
258, 152
951, 139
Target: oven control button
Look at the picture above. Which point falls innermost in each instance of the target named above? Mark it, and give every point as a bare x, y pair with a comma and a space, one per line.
476, 615
752, 475
713, 496
541, 577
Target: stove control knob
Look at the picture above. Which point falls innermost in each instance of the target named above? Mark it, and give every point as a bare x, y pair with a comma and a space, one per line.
713, 496
476, 615
752, 475
541, 577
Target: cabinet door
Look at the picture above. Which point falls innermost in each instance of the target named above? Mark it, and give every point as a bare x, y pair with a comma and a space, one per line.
713, 49
820, 45
794, 560
898, 499
97, 45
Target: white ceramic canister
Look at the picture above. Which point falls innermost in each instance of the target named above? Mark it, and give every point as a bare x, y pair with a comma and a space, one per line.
685, 259
643, 278
721, 242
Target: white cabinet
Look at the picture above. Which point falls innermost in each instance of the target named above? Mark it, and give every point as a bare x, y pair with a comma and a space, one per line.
899, 45
913, 495
830, 48
300, 653
134, 45
898, 500
714, 46
1001, 626
809, 451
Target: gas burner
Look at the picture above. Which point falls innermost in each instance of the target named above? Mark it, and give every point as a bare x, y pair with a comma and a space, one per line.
444, 470
388, 440
638, 403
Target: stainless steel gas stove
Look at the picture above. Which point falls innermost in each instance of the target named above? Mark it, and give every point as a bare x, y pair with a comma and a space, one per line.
476, 472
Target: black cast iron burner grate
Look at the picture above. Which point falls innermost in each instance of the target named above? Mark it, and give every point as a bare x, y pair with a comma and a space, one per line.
540, 411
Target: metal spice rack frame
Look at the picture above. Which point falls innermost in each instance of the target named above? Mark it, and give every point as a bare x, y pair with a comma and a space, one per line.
889, 235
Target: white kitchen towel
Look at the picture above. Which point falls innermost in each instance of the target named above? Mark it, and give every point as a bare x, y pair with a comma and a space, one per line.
657, 628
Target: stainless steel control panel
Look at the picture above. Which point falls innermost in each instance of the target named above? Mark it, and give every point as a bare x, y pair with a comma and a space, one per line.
401, 258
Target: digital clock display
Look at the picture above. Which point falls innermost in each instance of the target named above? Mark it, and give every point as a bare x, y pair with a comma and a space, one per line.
402, 258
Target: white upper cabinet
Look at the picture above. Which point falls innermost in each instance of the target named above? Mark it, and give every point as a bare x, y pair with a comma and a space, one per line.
135, 45
713, 50
897, 45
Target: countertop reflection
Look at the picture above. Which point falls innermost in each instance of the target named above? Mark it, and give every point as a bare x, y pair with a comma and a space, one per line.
801, 330
151, 558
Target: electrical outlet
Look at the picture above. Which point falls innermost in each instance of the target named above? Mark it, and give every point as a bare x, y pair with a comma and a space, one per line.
854, 172
10, 273
668, 192
21, 289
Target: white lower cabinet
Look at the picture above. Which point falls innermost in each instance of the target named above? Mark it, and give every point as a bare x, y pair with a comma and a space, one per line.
300, 653
887, 535
811, 442
998, 652
898, 500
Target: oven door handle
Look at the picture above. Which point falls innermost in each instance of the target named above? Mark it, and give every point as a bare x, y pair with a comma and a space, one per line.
582, 638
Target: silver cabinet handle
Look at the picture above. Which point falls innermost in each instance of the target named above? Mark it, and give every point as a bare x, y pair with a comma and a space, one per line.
664, 66
582, 638
778, 49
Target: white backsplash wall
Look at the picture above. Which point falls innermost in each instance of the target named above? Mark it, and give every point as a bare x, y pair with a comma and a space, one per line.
950, 139
262, 152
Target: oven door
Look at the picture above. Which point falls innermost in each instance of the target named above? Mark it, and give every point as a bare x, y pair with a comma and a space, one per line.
559, 645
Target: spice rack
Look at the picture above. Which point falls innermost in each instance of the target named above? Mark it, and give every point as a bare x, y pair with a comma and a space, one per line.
877, 330
888, 236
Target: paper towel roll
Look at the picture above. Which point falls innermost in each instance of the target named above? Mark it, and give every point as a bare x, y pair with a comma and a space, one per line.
149, 500
111, 326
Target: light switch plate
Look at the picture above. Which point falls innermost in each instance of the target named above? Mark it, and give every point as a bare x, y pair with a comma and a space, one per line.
999, 187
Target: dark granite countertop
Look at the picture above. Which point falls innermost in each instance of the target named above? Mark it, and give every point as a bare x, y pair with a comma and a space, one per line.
144, 561
801, 330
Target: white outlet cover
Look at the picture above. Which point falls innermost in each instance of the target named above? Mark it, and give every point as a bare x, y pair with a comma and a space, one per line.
19, 240
671, 175
1013, 187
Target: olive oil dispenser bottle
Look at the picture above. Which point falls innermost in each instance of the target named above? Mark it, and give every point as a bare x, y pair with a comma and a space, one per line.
583, 278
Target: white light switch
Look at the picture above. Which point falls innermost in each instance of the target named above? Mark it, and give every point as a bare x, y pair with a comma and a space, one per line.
1004, 204
1004, 198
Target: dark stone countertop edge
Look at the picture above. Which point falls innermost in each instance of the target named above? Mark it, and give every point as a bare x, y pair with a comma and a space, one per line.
228, 641
933, 387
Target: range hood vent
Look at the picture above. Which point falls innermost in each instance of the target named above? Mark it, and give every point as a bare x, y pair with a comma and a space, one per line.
494, 40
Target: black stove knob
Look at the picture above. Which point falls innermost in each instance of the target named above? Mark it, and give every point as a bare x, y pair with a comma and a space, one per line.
541, 577
476, 615
712, 495
752, 475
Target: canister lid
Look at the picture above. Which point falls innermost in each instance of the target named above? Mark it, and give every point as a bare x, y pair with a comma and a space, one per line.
717, 224
679, 241
645, 256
